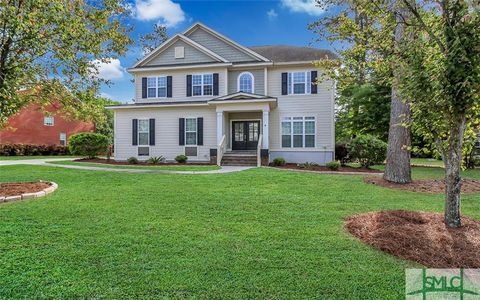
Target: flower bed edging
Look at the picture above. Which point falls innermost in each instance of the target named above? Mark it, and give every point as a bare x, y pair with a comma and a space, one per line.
53, 186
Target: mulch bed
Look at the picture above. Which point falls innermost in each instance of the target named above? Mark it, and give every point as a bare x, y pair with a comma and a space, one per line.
18, 188
140, 163
419, 236
425, 186
325, 169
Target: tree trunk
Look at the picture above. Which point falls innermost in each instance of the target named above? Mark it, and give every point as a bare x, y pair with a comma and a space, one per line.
397, 168
453, 184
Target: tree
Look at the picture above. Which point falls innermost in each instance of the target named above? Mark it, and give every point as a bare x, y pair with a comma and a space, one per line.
50, 49
397, 167
442, 80
104, 123
152, 40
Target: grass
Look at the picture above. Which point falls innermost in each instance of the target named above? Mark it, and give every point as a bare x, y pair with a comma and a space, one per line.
185, 167
34, 157
426, 162
261, 233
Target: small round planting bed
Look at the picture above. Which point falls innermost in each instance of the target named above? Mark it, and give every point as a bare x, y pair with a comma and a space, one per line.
419, 236
433, 186
15, 191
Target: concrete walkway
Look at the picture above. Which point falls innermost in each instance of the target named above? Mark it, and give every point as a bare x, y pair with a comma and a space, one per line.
45, 162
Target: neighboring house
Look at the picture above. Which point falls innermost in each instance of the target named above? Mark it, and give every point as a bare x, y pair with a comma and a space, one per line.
32, 125
205, 96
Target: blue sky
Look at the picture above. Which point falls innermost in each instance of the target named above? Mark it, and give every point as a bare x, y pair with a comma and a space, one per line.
249, 23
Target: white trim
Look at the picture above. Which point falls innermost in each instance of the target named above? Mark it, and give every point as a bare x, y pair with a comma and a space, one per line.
243, 120
225, 39
138, 134
306, 72
166, 67
170, 41
300, 62
265, 81
253, 82
242, 101
50, 124
303, 131
196, 133
255, 96
155, 106
202, 84
156, 87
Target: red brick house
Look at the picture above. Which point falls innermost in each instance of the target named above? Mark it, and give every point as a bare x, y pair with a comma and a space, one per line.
32, 125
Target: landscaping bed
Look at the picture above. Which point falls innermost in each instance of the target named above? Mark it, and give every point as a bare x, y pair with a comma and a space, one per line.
18, 188
140, 163
434, 186
419, 236
325, 169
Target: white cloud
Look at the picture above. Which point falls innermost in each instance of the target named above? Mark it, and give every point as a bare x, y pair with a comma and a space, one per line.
272, 14
303, 6
106, 95
168, 12
109, 70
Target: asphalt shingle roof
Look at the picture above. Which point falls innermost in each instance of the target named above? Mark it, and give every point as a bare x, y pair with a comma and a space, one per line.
281, 53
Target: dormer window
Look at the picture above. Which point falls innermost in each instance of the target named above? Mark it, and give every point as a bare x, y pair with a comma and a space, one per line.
245, 82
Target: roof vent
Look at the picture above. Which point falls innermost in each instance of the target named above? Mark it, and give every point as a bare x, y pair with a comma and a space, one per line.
179, 52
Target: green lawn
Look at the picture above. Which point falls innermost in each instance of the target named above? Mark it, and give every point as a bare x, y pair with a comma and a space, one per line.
34, 157
257, 234
153, 167
426, 162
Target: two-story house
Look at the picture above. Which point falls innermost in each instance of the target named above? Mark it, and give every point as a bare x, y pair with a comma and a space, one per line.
203, 95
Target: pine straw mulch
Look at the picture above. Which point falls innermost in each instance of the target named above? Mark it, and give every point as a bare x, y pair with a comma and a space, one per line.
419, 236
18, 188
433, 186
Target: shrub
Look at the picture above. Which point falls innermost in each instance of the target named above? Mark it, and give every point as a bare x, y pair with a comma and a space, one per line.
341, 153
132, 160
308, 165
181, 159
88, 144
333, 165
32, 149
156, 160
367, 150
279, 161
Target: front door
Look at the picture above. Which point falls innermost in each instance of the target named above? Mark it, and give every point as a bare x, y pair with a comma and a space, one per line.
245, 135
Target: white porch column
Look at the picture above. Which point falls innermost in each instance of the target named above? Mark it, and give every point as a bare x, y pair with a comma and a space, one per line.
219, 126
266, 129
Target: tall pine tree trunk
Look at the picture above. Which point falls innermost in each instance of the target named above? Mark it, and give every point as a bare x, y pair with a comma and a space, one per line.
397, 168
453, 184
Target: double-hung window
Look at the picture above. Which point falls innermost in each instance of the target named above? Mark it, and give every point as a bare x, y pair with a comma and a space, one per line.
299, 83
63, 138
48, 121
202, 84
157, 87
191, 131
143, 132
298, 132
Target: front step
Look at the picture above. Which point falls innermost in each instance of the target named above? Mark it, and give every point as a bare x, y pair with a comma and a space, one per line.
239, 159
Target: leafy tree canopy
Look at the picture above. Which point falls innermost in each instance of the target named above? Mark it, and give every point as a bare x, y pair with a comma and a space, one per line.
50, 49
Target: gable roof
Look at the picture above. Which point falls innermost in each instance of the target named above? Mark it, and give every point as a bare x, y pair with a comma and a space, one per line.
170, 42
241, 96
245, 50
282, 53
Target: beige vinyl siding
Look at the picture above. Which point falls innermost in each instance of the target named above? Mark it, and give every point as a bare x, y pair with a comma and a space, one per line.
320, 105
192, 55
166, 131
218, 46
259, 80
179, 84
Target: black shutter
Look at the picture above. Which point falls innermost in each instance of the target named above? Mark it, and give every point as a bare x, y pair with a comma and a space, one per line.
144, 87
284, 83
152, 132
169, 86
313, 76
215, 84
189, 85
200, 131
134, 132
181, 131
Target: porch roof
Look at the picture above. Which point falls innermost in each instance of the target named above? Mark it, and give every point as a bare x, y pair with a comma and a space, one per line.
243, 97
